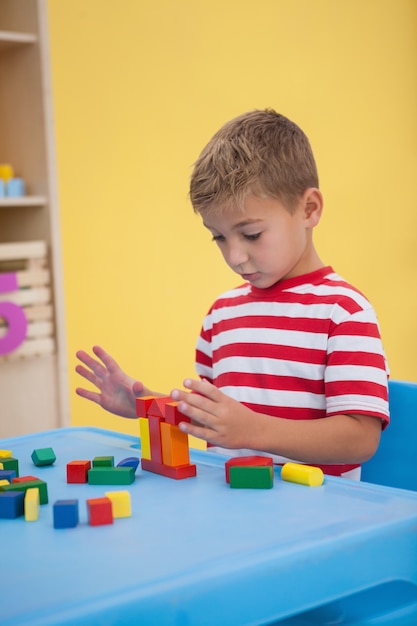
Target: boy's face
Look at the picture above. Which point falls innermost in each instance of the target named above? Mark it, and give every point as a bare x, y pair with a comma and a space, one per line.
266, 243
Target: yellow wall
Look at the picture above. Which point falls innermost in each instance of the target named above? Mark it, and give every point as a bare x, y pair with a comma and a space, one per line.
140, 86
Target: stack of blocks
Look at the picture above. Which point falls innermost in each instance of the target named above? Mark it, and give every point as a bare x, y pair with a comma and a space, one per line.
165, 448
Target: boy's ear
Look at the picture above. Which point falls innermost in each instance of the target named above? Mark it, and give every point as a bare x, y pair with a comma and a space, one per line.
312, 202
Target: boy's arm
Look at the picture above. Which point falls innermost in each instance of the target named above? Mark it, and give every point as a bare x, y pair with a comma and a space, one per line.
223, 421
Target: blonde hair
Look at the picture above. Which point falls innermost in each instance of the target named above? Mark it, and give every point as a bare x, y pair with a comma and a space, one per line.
261, 153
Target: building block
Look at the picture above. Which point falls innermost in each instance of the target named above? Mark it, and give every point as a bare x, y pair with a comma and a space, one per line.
111, 475
178, 473
145, 441
43, 456
251, 477
175, 449
10, 463
173, 415
157, 407
65, 513
24, 479
7, 475
103, 461
155, 438
11, 504
4, 482
248, 461
77, 471
302, 474
143, 404
31, 504
130, 461
120, 503
99, 511
42, 486
5, 453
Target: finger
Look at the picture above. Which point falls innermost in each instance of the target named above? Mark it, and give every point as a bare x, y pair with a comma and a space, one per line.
202, 387
198, 431
105, 358
89, 395
88, 375
98, 369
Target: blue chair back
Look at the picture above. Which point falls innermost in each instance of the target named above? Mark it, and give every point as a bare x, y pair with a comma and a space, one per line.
395, 462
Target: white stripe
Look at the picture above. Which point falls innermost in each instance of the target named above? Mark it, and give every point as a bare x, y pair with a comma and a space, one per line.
350, 403
337, 373
354, 343
273, 367
293, 338
273, 397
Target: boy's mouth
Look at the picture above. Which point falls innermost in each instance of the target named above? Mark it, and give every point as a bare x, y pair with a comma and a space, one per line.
251, 277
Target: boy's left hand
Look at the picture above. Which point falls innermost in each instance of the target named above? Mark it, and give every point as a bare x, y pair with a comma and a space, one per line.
216, 418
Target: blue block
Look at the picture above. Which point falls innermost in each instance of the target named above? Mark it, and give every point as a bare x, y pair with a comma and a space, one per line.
12, 504
7, 475
130, 461
65, 513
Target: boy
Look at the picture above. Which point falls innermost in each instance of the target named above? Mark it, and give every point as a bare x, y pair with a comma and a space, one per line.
290, 362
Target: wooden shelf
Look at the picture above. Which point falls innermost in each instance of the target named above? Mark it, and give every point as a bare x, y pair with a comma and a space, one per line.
9, 39
35, 201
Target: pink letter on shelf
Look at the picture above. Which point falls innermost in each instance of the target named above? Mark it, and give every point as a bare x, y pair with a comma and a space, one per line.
13, 314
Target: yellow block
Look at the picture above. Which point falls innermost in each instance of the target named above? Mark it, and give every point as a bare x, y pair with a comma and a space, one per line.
32, 504
4, 482
120, 503
302, 474
145, 438
6, 453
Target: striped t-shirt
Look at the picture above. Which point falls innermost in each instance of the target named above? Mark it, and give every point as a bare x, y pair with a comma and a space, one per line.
305, 348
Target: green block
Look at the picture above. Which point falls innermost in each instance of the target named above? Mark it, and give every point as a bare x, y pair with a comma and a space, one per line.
251, 477
103, 461
9, 463
40, 484
43, 456
111, 475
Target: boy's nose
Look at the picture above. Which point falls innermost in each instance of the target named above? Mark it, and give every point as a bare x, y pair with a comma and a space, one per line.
236, 256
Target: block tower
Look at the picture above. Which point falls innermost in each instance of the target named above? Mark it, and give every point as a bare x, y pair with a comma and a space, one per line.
165, 448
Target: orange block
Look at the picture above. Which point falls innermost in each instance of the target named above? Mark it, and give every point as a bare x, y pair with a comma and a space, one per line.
175, 450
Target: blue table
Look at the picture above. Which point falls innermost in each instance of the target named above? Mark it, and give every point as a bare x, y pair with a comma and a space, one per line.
196, 552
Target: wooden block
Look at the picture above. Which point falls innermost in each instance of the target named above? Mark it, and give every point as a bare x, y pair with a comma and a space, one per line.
145, 441
77, 471
248, 461
157, 407
65, 513
103, 461
302, 474
178, 473
143, 404
12, 504
173, 415
111, 475
120, 502
99, 511
24, 486
175, 449
43, 456
251, 477
155, 438
31, 504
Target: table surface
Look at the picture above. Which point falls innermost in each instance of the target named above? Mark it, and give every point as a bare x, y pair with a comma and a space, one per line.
195, 551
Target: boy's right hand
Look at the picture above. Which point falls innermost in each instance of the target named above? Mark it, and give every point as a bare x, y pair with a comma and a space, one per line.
117, 392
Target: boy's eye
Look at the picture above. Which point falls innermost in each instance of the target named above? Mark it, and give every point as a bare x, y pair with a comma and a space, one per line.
253, 237
217, 238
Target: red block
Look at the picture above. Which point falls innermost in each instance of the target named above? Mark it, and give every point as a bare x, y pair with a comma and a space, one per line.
77, 471
143, 404
24, 479
155, 438
99, 511
157, 407
179, 472
247, 461
173, 415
